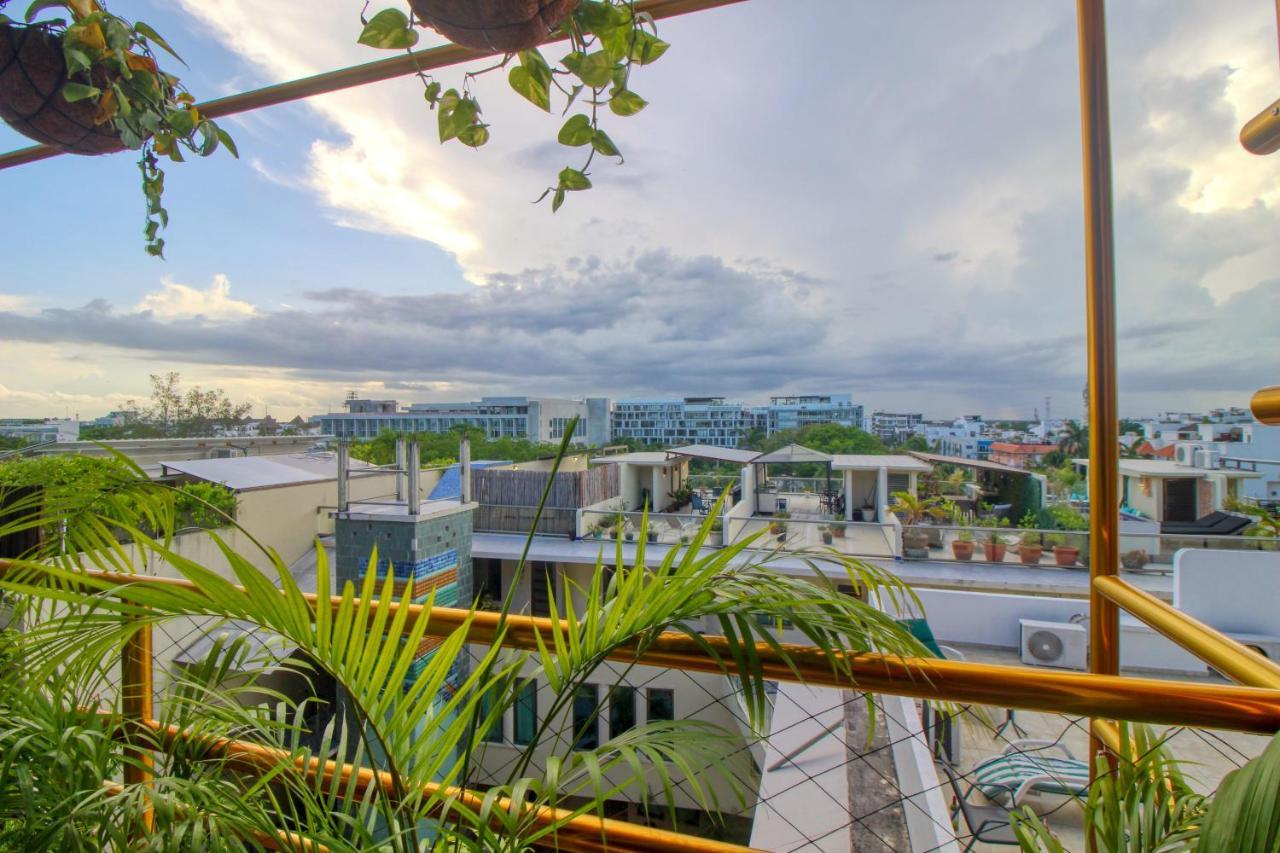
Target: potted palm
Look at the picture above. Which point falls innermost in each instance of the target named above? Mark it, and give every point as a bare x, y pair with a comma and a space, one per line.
88, 82
913, 510
962, 546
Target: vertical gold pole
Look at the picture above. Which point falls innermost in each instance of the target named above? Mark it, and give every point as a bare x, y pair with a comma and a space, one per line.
136, 709
1100, 318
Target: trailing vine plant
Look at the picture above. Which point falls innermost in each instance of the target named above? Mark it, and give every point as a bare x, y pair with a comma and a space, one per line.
110, 63
607, 40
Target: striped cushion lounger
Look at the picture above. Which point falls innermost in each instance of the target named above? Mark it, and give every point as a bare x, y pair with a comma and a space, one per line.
1024, 766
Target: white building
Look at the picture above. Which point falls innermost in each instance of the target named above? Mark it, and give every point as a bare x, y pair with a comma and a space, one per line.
965, 437
541, 419
42, 432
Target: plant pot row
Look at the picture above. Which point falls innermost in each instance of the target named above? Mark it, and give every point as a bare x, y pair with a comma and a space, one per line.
1030, 555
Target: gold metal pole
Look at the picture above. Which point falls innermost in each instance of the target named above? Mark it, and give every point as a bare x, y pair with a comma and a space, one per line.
1261, 134
1266, 405
400, 65
136, 709
1100, 319
1229, 657
581, 833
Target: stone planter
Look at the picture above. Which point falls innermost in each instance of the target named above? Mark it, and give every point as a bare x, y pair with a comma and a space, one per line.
868, 513
962, 550
506, 26
915, 544
1065, 555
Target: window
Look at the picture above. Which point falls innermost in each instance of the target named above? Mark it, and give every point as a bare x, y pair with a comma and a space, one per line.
495, 732
488, 579
662, 704
586, 722
541, 588
622, 710
526, 714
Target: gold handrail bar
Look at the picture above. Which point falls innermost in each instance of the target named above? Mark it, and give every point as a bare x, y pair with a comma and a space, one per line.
1266, 405
1248, 709
400, 65
1224, 654
581, 833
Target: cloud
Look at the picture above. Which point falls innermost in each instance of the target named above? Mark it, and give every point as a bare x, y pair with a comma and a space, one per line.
176, 300
14, 302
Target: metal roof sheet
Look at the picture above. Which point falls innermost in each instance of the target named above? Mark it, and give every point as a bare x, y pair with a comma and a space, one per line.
264, 472
717, 454
792, 453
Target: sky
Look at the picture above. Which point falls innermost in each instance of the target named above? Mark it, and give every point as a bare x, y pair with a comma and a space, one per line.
823, 196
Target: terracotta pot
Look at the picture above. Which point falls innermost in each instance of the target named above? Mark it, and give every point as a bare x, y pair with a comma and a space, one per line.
1030, 554
32, 73
506, 26
994, 551
837, 531
962, 550
1065, 555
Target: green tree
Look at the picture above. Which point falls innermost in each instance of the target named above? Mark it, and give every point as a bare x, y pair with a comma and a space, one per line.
1075, 439
916, 443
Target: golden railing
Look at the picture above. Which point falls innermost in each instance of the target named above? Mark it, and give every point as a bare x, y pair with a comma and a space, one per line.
1251, 706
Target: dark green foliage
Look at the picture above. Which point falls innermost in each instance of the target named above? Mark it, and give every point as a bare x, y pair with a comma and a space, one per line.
442, 448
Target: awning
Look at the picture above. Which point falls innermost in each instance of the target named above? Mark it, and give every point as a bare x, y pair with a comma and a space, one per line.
792, 453
981, 464
717, 454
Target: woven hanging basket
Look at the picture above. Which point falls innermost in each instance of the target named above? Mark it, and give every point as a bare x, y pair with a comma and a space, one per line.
32, 73
502, 25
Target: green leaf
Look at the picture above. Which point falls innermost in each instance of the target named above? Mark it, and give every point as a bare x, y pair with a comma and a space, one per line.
226, 140
647, 48
457, 113
389, 30
181, 121
40, 5
77, 60
573, 179
626, 103
147, 32
475, 135
537, 92
432, 93
595, 69
557, 200
601, 142
79, 91
576, 131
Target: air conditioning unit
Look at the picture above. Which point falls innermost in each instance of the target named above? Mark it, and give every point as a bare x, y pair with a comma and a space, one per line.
1208, 458
1060, 644
1185, 454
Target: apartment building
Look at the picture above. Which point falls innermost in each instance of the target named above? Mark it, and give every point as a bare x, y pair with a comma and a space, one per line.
895, 427
534, 418
797, 411
685, 420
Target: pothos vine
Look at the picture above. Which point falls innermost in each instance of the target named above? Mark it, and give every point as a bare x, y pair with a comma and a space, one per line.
607, 39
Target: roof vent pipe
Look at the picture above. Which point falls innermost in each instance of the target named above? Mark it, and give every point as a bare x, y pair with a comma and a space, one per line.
401, 459
464, 472
344, 456
413, 496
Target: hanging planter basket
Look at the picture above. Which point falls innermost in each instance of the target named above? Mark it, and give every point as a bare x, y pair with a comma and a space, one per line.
508, 26
32, 74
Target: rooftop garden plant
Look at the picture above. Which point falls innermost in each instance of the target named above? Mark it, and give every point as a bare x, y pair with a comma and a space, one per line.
75, 76
607, 41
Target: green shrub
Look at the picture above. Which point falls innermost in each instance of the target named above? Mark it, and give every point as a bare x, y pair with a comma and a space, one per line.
207, 505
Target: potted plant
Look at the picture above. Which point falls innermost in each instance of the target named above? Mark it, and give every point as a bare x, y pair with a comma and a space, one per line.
868, 512
826, 535
596, 531
651, 535
608, 39
92, 85
1134, 560
778, 527
962, 546
715, 537
913, 510
837, 529
1063, 554
993, 547
1030, 550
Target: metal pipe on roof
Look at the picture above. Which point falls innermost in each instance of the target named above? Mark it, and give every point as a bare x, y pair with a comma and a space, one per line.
344, 454
400, 65
464, 469
401, 458
414, 496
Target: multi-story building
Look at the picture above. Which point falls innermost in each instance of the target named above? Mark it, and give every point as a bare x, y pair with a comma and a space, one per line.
894, 427
966, 437
533, 418
687, 420
41, 432
797, 411
1018, 454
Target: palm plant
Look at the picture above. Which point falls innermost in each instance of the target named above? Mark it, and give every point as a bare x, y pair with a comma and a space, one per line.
1075, 439
913, 508
424, 734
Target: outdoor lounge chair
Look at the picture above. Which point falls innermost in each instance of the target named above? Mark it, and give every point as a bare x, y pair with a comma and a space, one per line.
1025, 766
988, 824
